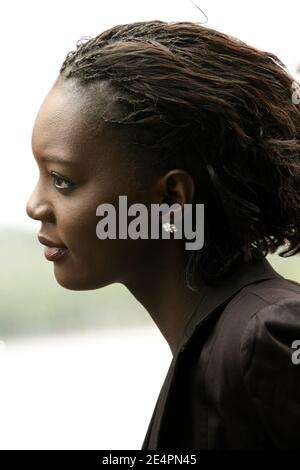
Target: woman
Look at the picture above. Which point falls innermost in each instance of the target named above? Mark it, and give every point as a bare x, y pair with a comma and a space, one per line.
176, 113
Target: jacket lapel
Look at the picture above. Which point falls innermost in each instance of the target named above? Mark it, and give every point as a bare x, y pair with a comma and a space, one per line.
214, 297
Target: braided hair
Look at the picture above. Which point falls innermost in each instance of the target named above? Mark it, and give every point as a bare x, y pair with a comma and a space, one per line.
204, 101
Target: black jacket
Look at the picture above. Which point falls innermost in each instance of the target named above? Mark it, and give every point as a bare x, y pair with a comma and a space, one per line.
234, 382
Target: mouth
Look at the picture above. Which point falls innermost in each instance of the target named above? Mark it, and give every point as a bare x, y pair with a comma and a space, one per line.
53, 250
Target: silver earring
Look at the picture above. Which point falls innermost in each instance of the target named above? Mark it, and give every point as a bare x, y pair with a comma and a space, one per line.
169, 227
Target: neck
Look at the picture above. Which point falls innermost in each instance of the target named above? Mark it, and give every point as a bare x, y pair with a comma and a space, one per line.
160, 287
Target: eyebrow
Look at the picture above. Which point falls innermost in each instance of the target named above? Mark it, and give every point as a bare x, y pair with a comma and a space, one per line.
59, 160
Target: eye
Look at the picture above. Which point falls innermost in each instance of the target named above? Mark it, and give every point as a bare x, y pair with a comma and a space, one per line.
60, 182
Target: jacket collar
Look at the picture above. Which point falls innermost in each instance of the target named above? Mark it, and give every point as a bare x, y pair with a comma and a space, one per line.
213, 298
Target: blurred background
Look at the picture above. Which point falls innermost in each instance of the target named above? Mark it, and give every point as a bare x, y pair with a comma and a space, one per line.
64, 355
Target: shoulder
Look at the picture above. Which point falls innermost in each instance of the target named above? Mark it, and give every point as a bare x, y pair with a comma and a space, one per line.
277, 299
269, 355
268, 341
262, 325
272, 327
249, 363
255, 306
258, 295
254, 354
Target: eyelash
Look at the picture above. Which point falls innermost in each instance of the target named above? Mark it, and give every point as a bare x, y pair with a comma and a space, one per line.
56, 177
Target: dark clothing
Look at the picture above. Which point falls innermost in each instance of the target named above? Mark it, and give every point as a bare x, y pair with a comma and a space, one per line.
234, 381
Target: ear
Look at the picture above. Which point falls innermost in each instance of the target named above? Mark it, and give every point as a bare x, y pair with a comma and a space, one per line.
175, 187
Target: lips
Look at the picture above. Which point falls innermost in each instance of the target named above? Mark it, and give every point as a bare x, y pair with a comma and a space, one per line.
45, 241
53, 250
53, 254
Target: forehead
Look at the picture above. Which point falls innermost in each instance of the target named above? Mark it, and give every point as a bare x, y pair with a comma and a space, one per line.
64, 121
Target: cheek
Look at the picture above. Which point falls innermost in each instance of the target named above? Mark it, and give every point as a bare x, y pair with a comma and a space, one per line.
79, 230
76, 222
92, 262
77, 227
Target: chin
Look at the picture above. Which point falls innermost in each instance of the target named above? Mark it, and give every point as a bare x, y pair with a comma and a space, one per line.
77, 282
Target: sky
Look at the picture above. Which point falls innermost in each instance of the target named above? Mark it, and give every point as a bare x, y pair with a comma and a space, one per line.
36, 36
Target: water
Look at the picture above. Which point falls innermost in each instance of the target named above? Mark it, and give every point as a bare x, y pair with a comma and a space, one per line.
94, 390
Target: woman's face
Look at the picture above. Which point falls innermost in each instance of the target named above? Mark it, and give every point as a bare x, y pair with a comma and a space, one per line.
99, 170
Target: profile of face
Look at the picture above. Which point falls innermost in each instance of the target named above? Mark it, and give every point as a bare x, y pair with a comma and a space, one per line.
80, 169
77, 172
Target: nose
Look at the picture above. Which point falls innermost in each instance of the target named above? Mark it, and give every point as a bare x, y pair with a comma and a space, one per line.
38, 207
